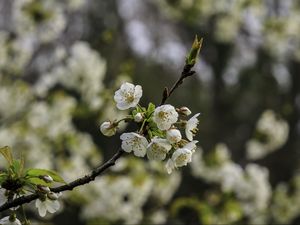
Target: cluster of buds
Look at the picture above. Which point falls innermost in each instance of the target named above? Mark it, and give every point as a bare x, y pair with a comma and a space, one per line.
158, 135
48, 200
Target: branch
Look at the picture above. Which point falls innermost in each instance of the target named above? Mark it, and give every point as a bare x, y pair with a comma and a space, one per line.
67, 187
186, 72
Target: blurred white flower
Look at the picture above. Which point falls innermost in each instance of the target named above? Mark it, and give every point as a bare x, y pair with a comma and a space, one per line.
158, 148
134, 142
46, 205
6, 221
164, 116
173, 135
108, 128
274, 131
128, 96
191, 127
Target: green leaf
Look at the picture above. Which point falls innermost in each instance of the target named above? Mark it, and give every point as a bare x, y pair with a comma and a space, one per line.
37, 181
150, 110
151, 107
6, 152
16, 166
42, 172
3, 177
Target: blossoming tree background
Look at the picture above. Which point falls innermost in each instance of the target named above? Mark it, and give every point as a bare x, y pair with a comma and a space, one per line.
63, 62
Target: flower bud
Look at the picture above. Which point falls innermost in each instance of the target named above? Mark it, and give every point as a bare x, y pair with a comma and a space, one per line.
173, 135
52, 196
46, 178
185, 111
138, 117
194, 52
43, 188
108, 128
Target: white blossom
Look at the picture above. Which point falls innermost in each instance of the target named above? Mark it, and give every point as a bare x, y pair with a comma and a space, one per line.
7, 221
108, 128
164, 116
191, 127
158, 148
46, 205
173, 135
128, 96
181, 157
134, 142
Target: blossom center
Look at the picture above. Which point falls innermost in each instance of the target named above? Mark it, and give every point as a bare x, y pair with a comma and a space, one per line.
162, 115
129, 97
181, 158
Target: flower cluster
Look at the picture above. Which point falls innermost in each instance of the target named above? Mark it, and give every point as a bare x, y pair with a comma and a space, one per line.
159, 135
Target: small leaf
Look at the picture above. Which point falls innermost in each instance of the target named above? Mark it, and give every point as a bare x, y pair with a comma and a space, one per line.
150, 110
16, 166
3, 177
151, 107
38, 181
6, 152
41, 172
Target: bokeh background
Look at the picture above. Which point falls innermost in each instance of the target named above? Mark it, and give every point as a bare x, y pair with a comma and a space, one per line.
62, 60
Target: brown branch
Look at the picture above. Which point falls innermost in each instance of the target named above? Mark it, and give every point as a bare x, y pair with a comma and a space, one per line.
186, 72
67, 187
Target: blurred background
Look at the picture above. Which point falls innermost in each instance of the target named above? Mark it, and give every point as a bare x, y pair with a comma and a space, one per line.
62, 60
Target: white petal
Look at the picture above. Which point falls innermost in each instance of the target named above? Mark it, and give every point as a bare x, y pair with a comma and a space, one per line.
126, 136
127, 146
170, 166
127, 87
138, 92
41, 207
52, 206
123, 105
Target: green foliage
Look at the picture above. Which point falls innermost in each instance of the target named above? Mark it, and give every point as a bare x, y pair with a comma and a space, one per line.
15, 180
38, 173
6, 153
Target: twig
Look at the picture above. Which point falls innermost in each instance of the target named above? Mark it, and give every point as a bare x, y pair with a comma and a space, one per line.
67, 187
186, 72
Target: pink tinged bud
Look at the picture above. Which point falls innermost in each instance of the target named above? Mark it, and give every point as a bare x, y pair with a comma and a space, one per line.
108, 128
173, 136
138, 117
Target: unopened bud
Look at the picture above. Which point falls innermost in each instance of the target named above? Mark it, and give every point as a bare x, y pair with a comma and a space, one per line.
108, 128
46, 178
194, 52
43, 188
138, 117
184, 111
173, 135
52, 196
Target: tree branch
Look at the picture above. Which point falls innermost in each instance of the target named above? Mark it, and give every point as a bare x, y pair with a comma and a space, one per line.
67, 187
186, 72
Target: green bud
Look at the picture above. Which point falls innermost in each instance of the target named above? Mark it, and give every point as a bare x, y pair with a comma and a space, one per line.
194, 52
